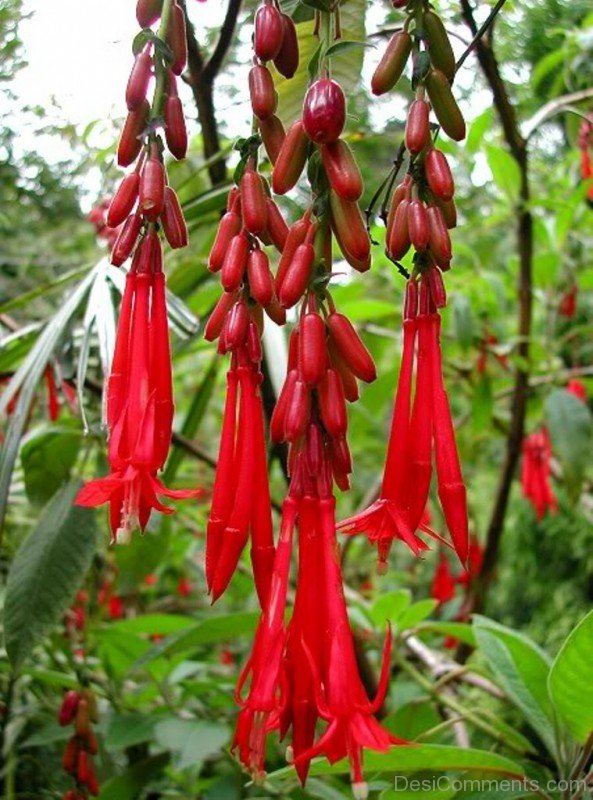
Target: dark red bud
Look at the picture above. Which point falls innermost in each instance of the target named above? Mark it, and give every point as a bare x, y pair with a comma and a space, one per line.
273, 135
228, 227
418, 227
440, 242
68, 708
411, 300
342, 170
235, 262
291, 159
262, 92
417, 127
177, 39
324, 111
332, 404
296, 236
261, 282
312, 348
438, 175
340, 455
130, 142
297, 276
351, 347
254, 347
216, 321
152, 188
277, 227
253, 202
398, 242
281, 407
286, 60
173, 221
269, 32
124, 244
236, 324
148, 12
297, 412
175, 130
124, 200
138, 81
437, 287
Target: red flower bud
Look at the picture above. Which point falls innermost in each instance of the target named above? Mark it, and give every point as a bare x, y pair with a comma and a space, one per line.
297, 412
398, 243
269, 32
148, 11
228, 227
449, 211
254, 347
324, 111
235, 326
297, 276
291, 159
82, 767
173, 221
234, 264
124, 244
175, 130
82, 721
295, 237
261, 282
281, 407
340, 455
438, 175
418, 227
70, 756
437, 287
124, 200
350, 229
342, 170
275, 311
440, 242
273, 135
253, 202
411, 300
348, 379
277, 227
286, 60
152, 188
217, 317
417, 127
312, 348
314, 450
332, 404
68, 708
392, 63
138, 81
351, 347
262, 92
177, 39
92, 784
130, 142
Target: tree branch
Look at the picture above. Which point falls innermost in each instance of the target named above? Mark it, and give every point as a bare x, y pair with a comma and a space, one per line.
225, 38
518, 148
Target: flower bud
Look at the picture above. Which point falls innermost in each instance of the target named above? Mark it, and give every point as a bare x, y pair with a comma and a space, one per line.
348, 379
269, 32
262, 92
82, 767
253, 202
124, 244
291, 159
437, 287
392, 63
297, 276
439, 47
68, 708
275, 311
295, 237
448, 210
438, 174
314, 450
235, 261
418, 227
351, 348
173, 221
332, 404
286, 60
444, 105
152, 188
298, 411
281, 407
411, 300
216, 321
130, 142
398, 243
148, 11
124, 200
175, 129
277, 227
228, 227
177, 39
340, 455
254, 347
417, 127
70, 756
273, 135
138, 81
261, 282
342, 170
440, 242
324, 111
312, 348
235, 326
82, 720
349, 228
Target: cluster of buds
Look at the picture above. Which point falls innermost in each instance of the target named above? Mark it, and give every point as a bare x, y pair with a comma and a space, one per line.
79, 709
139, 393
536, 473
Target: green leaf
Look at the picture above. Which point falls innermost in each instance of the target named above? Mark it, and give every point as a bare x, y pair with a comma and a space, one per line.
477, 129
126, 730
570, 425
191, 741
389, 606
522, 670
482, 404
458, 630
416, 613
132, 781
344, 45
152, 624
47, 570
570, 684
47, 457
415, 758
505, 171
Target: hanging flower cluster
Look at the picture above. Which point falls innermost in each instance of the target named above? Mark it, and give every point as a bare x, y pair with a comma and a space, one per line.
536, 472
79, 709
139, 391
421, 212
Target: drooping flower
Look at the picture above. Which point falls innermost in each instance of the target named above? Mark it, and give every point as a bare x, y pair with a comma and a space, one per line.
536, 473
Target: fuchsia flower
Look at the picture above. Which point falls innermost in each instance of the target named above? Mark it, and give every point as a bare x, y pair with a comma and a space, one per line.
577, 388
421, 428
536, 473
139, 402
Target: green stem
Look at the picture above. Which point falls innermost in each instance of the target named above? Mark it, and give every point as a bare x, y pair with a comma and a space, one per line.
161, 69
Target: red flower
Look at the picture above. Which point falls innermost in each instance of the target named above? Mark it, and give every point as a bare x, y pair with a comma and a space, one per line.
183, 587
420, 429
577, 388
139, 402
536, 473
568, 302
443, 582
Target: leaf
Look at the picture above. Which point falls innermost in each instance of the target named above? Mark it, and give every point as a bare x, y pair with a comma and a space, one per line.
458, 630
477, 129
47, 457
570, 425
129, 784
522, 669
47, 570
415, 758
416, 613
126, 730
191, 741
570, 684
463, 321
505, 171
389, 606
345, 45
153, 624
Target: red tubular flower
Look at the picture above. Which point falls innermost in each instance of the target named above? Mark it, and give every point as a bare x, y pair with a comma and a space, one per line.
536, 473
139, 402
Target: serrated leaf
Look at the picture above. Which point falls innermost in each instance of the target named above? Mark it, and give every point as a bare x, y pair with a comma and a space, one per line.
571, 432
47, 457
47, 570
570, 684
